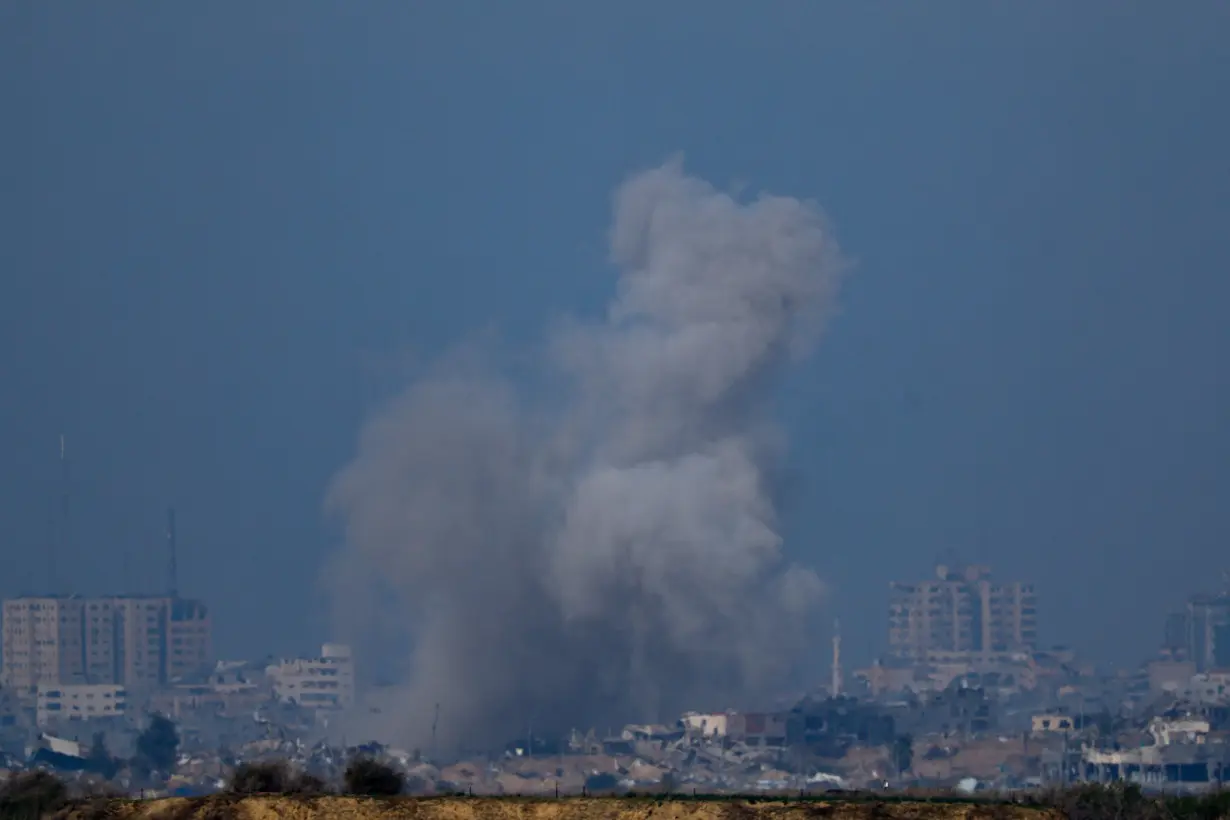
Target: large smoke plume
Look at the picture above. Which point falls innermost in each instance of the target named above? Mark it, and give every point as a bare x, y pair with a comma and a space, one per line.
611, 553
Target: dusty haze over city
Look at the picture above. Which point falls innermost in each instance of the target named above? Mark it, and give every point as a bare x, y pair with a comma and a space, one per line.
536, 315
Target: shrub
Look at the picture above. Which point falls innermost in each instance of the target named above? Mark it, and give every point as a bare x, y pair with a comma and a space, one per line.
273, 778
365, 776
157, 746
309, 784
600, 783
1093, 801
260, 778
32, 794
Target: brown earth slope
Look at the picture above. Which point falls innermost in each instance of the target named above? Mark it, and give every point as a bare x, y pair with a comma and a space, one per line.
445, 808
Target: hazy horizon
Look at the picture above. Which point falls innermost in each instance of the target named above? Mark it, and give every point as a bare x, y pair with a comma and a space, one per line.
230, 234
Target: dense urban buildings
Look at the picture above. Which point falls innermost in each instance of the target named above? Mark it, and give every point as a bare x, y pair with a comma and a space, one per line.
964, 696
961, 612
137, 641
1201, 633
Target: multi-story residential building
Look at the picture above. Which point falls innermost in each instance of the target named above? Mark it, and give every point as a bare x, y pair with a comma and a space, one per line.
326, 682
1174, 636
961, 614
189, 639
43, 642
131, 640
88, 701
1201, 633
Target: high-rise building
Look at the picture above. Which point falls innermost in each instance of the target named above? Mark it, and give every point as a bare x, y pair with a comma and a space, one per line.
1200, 633
131, 640
189, 639
1175, 637
43, 642
1208, 631
961, 612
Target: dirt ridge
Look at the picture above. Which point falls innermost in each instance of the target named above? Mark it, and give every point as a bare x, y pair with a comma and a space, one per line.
275, 807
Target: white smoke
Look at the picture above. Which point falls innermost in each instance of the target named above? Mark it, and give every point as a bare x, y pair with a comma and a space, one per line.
614, 556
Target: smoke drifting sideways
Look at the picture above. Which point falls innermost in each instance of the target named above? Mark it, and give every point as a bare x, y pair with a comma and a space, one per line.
610, 554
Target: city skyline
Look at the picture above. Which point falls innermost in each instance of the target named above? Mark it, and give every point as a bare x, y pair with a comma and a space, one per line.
960, 615
162, 558
214, 272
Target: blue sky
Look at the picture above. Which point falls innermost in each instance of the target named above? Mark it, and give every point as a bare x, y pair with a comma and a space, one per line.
227, 228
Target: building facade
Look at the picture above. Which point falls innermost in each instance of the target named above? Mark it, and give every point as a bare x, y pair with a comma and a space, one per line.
706, 724
58, 702
43, 642
1208, 631
1200, 633
134, 641
326, 682
190, 648
961, 613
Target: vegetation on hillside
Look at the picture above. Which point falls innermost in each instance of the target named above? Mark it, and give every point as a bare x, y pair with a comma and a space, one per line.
36, 794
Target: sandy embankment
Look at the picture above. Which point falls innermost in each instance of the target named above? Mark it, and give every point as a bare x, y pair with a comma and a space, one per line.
445, 808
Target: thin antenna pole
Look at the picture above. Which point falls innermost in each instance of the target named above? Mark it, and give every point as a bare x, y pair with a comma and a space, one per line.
435, 720
172, 558
835, 684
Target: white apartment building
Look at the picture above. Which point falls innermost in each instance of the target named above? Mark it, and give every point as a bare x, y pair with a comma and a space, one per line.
62, 702
711, 724
326, 682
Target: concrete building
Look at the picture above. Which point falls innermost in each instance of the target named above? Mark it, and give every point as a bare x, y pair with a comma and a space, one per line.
133, 640
706, 724
1200, 633
758, 728
10, 708
1167, 675
217, 699
1052, 722
190, 648
1208, 630
80, 702
43, 642
961, 613
326, 682
140, 640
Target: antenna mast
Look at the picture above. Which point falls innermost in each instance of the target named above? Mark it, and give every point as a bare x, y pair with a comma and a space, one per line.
62, 547
435, 720
835, 684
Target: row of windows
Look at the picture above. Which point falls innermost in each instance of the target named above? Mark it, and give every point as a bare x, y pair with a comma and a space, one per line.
57, 707
316, 684
56, 693
315, 697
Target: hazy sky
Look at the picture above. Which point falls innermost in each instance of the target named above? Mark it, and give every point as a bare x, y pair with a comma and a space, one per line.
227, 228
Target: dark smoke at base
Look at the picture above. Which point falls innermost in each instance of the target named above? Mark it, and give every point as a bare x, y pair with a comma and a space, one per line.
614, 556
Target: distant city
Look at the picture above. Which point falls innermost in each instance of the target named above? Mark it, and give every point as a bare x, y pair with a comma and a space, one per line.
963, 697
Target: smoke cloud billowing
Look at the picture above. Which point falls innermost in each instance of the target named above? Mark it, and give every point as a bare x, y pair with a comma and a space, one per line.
612, 553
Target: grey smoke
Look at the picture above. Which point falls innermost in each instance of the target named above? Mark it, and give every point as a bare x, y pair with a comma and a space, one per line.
613, 554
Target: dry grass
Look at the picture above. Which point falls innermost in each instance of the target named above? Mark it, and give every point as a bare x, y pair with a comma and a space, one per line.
268, 807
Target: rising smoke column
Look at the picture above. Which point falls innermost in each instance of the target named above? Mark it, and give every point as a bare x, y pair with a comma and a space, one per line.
614, 556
